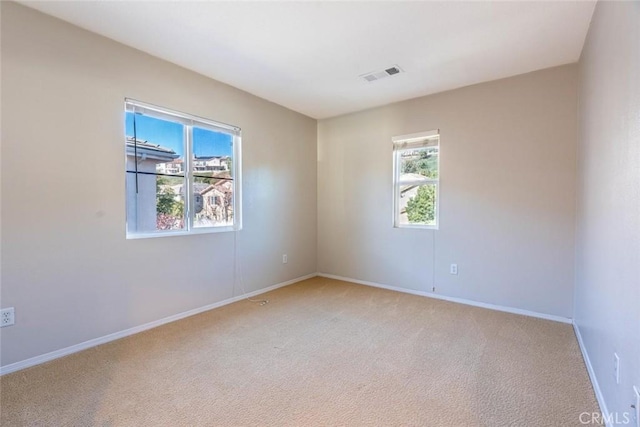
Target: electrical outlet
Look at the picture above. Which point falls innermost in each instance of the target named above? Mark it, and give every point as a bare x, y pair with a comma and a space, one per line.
616, 367
453, 269
636, 406
285, 259
7, 317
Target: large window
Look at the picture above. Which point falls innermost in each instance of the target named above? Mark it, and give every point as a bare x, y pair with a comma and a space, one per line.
416, 178
182, 173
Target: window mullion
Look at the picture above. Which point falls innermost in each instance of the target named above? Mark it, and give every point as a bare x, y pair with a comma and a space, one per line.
188, 196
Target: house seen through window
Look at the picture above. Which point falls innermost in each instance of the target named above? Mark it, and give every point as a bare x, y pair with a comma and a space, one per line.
182, 173
416, 180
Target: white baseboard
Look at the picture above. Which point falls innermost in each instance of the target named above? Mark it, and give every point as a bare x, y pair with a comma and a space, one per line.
592, 377
13, 367
454, 299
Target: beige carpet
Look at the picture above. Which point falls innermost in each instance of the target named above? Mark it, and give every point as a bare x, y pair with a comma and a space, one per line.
321, 353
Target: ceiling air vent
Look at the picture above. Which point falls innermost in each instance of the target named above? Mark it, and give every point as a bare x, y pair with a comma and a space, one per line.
377, 75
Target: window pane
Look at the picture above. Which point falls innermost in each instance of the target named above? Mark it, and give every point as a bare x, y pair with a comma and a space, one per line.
213, 178
170, 203
419, 162
213, 202
417, 204
154, 202
159, 142
157, 205
212, 153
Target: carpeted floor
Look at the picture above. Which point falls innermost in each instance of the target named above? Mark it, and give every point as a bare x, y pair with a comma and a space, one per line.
321, 353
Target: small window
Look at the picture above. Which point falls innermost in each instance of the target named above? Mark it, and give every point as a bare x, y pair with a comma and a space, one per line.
182, 173
416, 175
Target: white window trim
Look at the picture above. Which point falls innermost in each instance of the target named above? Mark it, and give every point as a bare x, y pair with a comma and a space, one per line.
415, 137
410, 142
190, 120
180, 117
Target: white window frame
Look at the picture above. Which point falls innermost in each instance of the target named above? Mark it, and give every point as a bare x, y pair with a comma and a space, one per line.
189, 121
411, 142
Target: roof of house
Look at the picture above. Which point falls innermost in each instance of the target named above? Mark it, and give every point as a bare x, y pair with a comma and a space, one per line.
148, 151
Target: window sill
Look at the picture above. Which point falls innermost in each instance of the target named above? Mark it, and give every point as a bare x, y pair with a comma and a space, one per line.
417, 226
207, 230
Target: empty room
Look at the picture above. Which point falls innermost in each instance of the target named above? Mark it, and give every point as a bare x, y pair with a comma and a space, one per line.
320, 213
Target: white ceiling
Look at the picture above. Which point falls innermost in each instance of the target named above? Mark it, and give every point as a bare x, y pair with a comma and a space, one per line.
307, 56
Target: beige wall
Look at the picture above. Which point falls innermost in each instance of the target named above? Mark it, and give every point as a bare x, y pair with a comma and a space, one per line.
507, 191
607, 291
66, 266
507, 212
